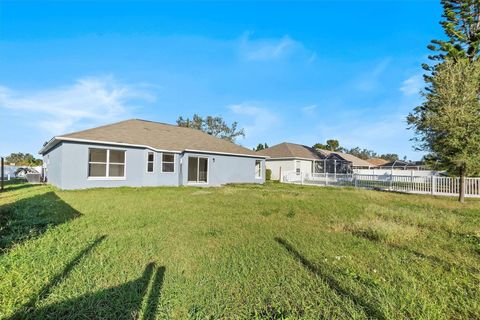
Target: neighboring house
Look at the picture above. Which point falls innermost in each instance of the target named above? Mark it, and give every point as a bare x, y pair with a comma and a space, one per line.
403, 165
377, 161
145, 153
13, 171
357, 163
290, 157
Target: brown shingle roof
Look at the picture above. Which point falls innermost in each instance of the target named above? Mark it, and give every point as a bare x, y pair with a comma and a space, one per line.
290, 150
377, 161
158, 136
293, 150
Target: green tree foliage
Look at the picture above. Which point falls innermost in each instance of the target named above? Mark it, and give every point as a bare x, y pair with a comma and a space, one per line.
362, 153
214, 126
331, 145
446, 98
390, 156
461, 24
447, 123
23, 159
261, 146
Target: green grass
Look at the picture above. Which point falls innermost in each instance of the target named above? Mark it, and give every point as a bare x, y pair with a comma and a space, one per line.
241, 252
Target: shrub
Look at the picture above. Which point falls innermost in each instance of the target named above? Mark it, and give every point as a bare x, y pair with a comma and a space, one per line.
268, 174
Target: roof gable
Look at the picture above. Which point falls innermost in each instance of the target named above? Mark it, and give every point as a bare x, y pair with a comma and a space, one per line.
290, 150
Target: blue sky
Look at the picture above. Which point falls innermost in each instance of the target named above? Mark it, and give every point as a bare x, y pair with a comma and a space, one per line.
301, 72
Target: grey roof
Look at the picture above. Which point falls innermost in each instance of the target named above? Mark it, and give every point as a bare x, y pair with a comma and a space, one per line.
155, 135
290, 150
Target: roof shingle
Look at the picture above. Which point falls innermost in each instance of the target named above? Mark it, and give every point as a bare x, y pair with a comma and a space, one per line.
158, 136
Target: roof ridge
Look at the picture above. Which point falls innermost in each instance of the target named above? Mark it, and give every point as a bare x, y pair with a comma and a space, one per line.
102, 126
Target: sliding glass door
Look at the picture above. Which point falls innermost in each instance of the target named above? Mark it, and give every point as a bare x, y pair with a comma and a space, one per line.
197, 169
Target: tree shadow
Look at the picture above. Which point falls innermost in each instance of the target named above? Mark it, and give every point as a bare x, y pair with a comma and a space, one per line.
119, 302
30, 217
18, 186
434, 260
322, 271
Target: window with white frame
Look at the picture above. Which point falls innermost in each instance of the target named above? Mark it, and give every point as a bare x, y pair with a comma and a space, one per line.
106, 163
150, 161
258, 168
168, 162
297, 166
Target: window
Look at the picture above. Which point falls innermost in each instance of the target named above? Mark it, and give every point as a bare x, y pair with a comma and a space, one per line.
106, 163
297, 166
258, 169
150, 161
197, 169
168, 162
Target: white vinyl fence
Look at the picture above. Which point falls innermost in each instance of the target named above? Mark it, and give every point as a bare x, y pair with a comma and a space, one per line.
434, 185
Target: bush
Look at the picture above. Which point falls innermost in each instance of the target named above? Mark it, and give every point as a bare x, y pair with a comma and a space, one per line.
268, 174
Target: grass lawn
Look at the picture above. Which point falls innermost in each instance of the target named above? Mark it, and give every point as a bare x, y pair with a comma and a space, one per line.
242, 252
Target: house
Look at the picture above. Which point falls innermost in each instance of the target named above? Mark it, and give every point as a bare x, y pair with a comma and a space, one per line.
356, 162
290, 157
145, 153
377, 162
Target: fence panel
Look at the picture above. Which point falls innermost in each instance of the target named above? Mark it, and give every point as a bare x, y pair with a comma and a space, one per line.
435, 185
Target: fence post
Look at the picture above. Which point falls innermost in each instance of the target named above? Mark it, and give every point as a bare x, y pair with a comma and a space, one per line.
326, 178
391, 181
434, 184
2, 173
355, 180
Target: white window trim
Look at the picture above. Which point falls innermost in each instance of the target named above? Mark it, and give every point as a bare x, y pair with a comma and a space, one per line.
260, 171
124, 177
161, 163
153, 163
298, 166
198, 170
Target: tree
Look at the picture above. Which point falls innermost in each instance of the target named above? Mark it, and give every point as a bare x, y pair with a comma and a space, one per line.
261, 147
331, 145
390, 156
214, 126
446, 123
362, 153
461, 24
23, 159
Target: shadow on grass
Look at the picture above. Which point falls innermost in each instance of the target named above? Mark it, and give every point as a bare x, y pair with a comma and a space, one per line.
119, 302
18, 186
434, 260
322, 271
30, 217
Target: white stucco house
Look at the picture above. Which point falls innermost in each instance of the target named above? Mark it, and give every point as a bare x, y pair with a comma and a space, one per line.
291, 157
145, 153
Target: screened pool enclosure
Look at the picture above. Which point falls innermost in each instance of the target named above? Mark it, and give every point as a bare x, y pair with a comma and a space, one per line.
332, 165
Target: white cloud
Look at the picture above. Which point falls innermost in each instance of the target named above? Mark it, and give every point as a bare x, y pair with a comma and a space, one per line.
309, 110
412, 85
89, 101
257, 119
269, 49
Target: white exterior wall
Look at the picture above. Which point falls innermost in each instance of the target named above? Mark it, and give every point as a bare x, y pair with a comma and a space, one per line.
67, 168
288, 165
